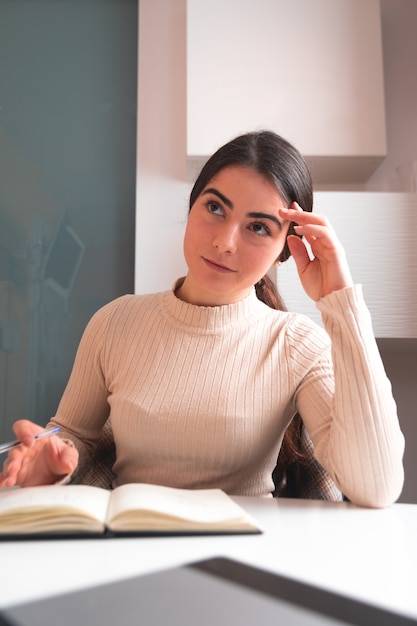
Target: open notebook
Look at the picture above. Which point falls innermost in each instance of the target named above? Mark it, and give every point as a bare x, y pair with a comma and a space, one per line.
136, 508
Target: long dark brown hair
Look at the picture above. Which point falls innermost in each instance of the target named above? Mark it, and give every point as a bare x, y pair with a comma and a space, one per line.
280, 162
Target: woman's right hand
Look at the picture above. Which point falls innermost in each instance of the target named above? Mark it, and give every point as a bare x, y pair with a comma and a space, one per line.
37, 462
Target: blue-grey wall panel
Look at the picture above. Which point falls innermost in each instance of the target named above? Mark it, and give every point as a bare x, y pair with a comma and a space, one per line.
68, 99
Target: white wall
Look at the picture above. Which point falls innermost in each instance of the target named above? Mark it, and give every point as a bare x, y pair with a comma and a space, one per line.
162, 193
162, 190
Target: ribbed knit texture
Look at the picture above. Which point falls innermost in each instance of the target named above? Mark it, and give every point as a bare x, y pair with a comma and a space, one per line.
201, 396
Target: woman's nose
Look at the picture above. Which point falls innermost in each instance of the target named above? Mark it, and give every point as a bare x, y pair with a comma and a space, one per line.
226, 238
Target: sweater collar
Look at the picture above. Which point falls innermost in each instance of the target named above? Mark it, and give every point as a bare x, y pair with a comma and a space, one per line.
206, 319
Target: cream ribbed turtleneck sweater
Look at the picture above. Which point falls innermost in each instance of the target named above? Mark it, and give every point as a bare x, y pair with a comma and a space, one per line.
201, 396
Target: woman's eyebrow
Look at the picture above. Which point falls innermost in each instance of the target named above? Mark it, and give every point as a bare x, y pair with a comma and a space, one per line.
217, 193
267, 216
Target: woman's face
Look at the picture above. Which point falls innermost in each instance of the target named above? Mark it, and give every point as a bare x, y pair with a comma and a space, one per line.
234, 235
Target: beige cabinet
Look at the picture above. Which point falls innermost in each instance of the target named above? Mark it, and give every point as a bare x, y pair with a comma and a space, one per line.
309, 69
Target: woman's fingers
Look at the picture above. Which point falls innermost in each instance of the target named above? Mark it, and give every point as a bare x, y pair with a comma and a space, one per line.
12, 466
62, 457
299, 253
37, 462
328, 270
312, 226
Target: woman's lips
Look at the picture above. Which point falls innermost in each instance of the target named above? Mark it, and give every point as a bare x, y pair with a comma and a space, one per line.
217, 267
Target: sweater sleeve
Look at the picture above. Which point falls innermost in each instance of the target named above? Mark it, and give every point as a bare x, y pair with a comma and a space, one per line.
357, 437
84, 407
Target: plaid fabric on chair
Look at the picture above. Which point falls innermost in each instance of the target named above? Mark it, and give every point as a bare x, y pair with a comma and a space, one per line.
99, 472
298, 476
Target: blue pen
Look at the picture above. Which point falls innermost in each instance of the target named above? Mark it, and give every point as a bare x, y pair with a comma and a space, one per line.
5, 447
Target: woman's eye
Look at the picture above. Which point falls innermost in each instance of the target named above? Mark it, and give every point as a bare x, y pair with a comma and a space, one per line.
260, 229
214, 208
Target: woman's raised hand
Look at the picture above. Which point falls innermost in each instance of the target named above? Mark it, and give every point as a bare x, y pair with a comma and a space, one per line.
37, 462
328, 270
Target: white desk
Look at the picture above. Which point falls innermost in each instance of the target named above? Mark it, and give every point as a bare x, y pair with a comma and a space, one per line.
367, 554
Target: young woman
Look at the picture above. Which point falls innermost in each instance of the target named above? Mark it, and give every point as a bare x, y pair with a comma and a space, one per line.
201, 382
